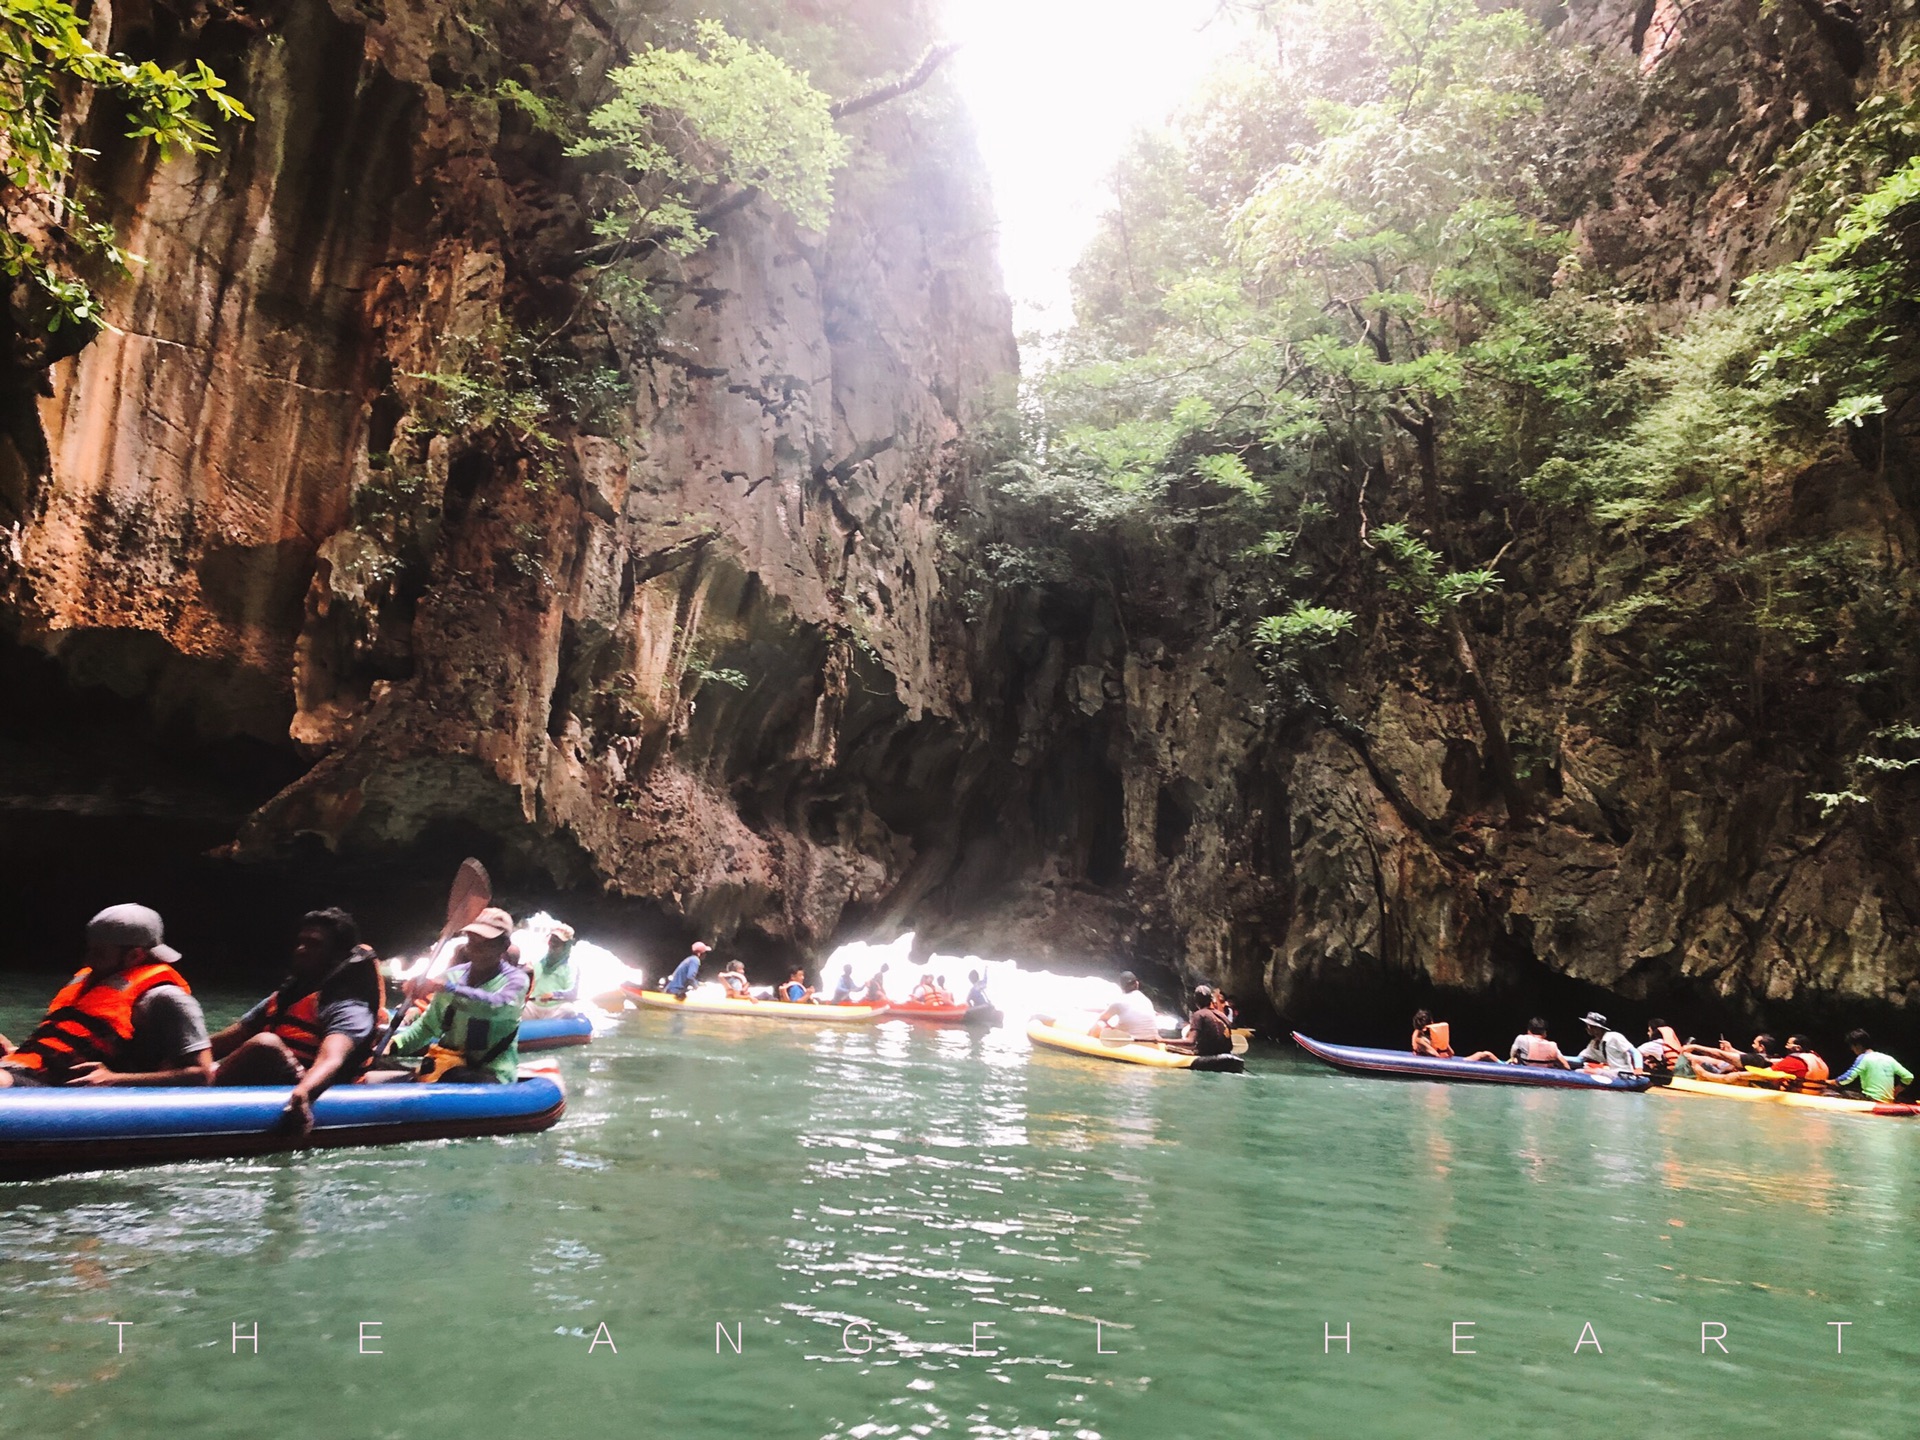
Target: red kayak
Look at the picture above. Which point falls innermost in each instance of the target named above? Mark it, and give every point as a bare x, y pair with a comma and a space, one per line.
932, 1014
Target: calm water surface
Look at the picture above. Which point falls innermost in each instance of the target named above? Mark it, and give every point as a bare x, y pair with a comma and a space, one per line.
786, 1182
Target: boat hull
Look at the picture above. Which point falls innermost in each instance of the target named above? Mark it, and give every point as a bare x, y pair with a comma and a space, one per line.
1405, 1065
48, 1132
1832, 1104
929, 1014
553, 1032
1077, 1041
759, 1009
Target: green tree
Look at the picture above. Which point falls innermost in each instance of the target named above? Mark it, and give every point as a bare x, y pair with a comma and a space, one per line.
45, 57
683, 122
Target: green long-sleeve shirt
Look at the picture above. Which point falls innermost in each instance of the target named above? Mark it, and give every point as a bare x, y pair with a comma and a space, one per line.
482, 1022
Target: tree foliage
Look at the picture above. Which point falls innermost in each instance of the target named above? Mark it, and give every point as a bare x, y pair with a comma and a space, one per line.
1339, 337
725, 112
45, 58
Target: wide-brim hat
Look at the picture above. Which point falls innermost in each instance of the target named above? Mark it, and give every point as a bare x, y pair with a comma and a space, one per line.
490, 924
1594, 1017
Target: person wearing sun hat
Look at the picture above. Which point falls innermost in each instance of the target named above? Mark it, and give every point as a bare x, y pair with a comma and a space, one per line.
686, 972
556, 984
1607, 1046
470, 1030
127, 1018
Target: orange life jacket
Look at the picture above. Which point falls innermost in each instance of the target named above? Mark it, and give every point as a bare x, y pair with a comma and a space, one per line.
1669, 1042
91, 1019
1817, 1072
1439, 1034
1540, 1051
297, 1022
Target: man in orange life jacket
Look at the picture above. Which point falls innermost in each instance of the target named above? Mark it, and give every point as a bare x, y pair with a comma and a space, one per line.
1534, 1048
317, 1029
128, 1018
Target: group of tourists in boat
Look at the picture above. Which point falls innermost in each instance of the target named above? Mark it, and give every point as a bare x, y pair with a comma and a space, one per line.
929, 994
1873, 1075
129, 1017
1208, 1030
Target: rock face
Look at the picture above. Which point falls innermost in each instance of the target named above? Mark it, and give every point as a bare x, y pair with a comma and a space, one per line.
694, 649
718, 639
1686, 869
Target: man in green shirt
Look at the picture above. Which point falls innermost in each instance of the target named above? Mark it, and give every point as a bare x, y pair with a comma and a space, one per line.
471, 1026
556, 984
1880, 1077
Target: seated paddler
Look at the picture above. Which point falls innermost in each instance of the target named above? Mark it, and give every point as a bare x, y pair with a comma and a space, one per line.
1207, 1028
1607, 1048
127, 1018
1534, 1048
470, 1030
1879, 1076
1808, 1070
317, 1028
555, 979
1130, 1016
1435, 1037
687, 973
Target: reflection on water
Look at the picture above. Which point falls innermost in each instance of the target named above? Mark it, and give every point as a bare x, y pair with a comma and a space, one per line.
915, 1232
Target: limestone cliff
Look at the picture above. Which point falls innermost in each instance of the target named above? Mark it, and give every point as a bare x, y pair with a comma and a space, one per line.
691, 647
1228, 836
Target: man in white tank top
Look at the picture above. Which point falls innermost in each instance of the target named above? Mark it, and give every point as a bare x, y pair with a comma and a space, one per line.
1132, 1014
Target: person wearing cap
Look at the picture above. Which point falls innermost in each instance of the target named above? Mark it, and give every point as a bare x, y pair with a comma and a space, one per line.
686, 972
470, 1030
555, 984
1607, 1046
1132, 1014
127, 1018
317, 1029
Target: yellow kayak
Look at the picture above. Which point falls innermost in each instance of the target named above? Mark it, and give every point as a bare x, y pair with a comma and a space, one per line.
1056, 1036
757, 1009
1834, 1104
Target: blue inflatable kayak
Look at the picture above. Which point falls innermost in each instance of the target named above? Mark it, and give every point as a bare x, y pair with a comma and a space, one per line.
555, 1031
1405, 1065
45, 1132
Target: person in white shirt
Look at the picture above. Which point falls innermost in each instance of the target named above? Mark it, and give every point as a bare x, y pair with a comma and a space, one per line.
1132, 1014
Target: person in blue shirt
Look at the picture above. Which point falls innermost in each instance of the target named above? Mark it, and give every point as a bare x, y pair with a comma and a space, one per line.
795, 991
843, 988
977, 993
686, 972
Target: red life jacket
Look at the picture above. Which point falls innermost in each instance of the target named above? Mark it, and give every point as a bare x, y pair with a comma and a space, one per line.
1540, 1051
1438, 1035
91, 1019
1816, 1068
297, 1022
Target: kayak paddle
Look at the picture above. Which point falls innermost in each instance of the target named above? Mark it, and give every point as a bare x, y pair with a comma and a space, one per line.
472, 892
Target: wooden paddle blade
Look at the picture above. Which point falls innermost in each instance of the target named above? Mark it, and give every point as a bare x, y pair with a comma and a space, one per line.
472, 892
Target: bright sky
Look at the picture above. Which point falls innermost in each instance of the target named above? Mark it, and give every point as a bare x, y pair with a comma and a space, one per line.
1056, 87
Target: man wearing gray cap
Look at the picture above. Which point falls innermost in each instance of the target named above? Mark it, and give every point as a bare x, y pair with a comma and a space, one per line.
127, 1018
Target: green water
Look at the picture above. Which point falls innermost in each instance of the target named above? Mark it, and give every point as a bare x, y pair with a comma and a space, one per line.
785, 1181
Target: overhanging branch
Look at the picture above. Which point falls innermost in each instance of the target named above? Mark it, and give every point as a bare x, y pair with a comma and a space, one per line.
935, 57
